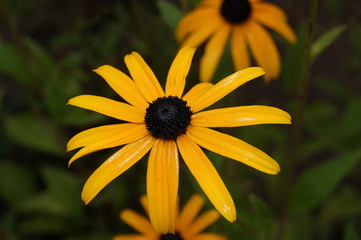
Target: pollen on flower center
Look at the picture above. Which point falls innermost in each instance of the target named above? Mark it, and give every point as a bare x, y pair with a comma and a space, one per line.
169, 236
167, 117
236, 11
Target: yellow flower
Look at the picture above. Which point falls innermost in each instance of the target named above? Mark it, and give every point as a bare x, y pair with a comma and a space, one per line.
187, 226
163, 122
242, 21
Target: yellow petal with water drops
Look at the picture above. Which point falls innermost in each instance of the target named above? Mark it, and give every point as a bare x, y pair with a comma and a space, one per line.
213, 52
118, 163
201, 223
241, 116
189, 212
138, 222
239, 49
194, 21
263, 49
178, 72
207, 177
144, 77
123, 85
225, 86
203, 236
233, 148
197, 91
108, 107
127, 135
162, 185
274, 17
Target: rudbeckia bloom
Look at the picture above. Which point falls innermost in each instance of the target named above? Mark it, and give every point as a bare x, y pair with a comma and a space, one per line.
241, 21
187, 225
163, 122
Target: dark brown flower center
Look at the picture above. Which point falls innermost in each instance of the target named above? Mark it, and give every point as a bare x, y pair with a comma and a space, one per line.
167, 117
236, 11
169, 236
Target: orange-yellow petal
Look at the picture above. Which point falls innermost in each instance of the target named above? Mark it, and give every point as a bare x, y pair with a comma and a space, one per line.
178, 72
108, 107
144, 77
123, 85
197, 91
189, 212
130, 133
273, 17
144, 202
241, 116
263, 49
213, 52
138, 222
225, 86
118, 163
162, 185
202, 222
233, 148
132, 237
204, 236
207, 177
239, 49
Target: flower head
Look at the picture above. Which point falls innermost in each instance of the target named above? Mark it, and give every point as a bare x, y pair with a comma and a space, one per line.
241, 21
187, 225
165, 122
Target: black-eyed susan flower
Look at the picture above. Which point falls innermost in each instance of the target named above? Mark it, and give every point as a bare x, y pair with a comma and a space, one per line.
240, 21
187, 225
163, 122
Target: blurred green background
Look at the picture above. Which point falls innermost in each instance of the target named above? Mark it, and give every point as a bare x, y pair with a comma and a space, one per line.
47, 51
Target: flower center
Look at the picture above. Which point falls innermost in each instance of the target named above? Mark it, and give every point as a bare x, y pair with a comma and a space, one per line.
169, 236
167, 118
236, 11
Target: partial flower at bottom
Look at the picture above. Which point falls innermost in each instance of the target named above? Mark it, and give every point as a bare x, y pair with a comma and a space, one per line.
164, 122
187, 225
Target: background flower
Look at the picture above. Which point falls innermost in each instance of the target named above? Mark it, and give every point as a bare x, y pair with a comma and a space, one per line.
216, 21
188, 225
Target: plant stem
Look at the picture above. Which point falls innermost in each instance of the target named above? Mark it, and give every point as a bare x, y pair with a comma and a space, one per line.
298, 122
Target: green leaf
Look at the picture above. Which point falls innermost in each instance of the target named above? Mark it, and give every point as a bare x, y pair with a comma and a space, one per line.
26, 129
325, 40
170, 13
16, 182
315, 184
351, 233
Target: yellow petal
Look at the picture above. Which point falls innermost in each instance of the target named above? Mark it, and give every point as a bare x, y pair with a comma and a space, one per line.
239, 49
194, 21
189, 212
225, 86
203, 236
123, 85
213, 52
144, 202
233, 148
144, 77
207, 177
197, 91
241, 116
130, 133
97, 134
273, 17
201, 34
263, 49
114, 166
162, 185
108, 107
138, 222
178, 72
131, 237
202, 222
